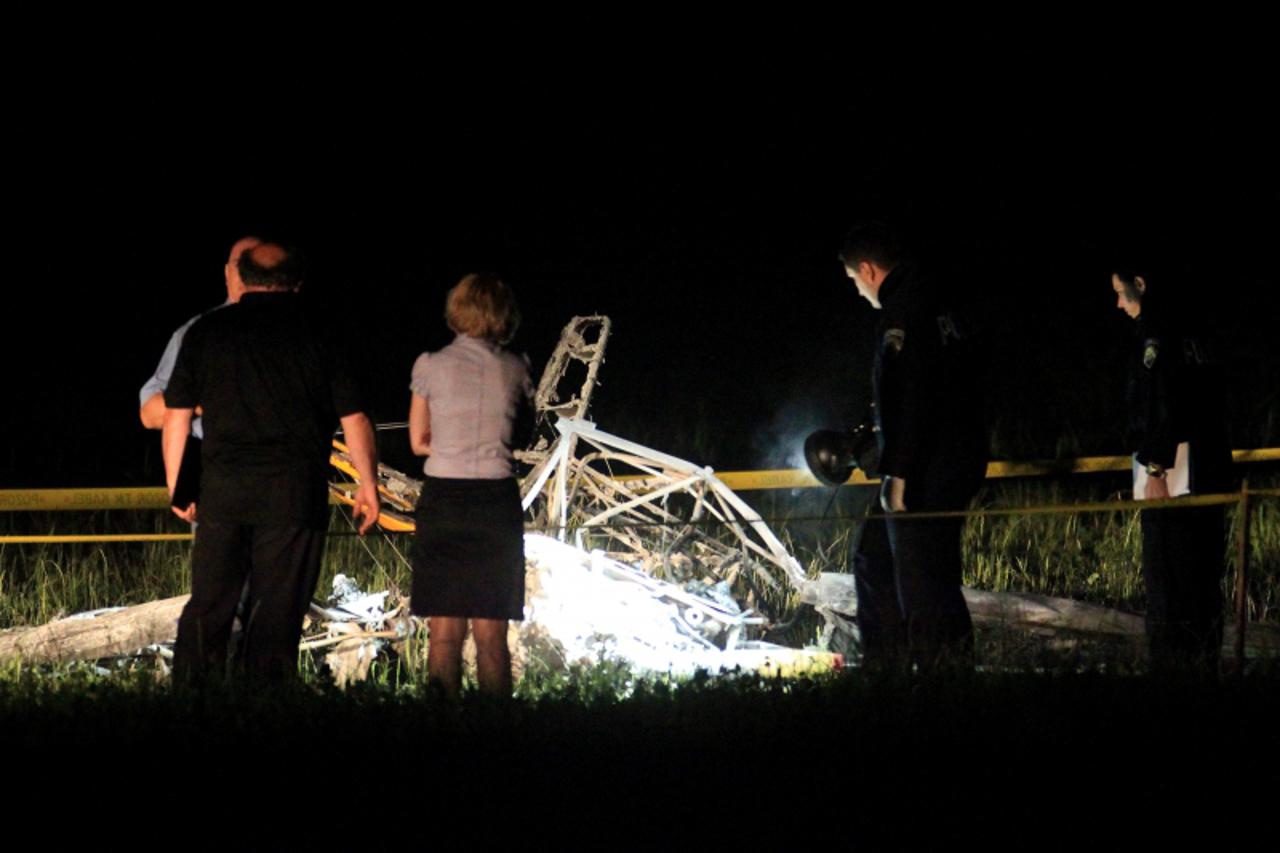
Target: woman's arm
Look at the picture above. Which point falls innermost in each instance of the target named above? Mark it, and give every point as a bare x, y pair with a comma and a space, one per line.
419, 426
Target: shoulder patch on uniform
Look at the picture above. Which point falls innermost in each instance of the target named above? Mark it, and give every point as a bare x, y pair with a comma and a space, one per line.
894, 339
1150, 352
947, 329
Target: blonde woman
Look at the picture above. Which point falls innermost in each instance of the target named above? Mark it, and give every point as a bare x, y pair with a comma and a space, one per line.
468, 552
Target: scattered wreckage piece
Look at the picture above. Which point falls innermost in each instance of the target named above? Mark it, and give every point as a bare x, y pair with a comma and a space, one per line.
591, 607
580, 350
399, 492
588, 497
834, 596
357, 627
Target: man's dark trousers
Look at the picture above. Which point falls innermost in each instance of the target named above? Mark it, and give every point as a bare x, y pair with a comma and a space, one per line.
908, 573
281, 565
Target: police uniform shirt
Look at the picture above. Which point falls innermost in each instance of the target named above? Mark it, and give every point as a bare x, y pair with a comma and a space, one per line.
925, 379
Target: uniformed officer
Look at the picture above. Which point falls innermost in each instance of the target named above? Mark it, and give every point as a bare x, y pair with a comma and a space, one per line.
1177, 434
933, 452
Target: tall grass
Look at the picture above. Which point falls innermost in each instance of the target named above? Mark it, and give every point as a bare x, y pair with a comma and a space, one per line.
1264, 552
45, 581
40, 582
1091, 556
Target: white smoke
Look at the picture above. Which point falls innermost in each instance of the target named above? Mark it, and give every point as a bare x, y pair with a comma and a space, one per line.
780, 444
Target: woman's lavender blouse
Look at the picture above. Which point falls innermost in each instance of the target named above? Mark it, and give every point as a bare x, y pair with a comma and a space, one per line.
473, 390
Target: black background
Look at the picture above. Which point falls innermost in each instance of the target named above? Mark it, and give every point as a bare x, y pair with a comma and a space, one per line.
702, 211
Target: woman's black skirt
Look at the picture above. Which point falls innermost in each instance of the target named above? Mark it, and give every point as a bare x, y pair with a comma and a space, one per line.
468, 552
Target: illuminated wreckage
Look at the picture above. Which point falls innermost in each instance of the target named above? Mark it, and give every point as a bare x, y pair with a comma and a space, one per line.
632, 554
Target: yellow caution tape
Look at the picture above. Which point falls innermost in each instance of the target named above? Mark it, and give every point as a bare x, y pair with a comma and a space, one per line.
156, 497
150, 497
1056, 509
396, 523
796, 478
1084, 465
101, 537
799, 478
1092, 506
59, 500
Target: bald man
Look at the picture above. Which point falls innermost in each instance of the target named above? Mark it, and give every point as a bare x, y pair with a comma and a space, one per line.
152, 394
274, 382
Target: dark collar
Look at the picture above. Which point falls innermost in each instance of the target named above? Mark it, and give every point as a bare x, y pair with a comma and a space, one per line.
893, 288
263, 297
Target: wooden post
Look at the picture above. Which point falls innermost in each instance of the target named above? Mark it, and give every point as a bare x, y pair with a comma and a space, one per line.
1242, 575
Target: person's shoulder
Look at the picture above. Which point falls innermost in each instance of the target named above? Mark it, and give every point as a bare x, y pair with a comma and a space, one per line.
919, 283
297, 315
218, 314
197, 326
445, 354
515, 361
215, 323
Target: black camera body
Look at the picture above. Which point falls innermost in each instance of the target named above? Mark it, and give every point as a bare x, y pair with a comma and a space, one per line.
833, 455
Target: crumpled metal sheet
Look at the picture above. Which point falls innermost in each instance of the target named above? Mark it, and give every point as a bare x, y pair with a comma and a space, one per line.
353, 612
596, 608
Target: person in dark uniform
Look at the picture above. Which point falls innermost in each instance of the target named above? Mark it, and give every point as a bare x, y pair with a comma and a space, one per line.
273, 386
933, 453
1177, 434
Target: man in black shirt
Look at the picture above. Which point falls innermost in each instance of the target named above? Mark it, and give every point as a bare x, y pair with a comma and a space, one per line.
273, 386
933, 451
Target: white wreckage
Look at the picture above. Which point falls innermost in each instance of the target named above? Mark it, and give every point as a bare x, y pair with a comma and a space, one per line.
634, 555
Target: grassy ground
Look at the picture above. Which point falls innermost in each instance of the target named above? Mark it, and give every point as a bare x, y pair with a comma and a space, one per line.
1040, 748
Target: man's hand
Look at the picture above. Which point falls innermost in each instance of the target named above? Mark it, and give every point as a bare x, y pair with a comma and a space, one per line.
173, 443
366, 505
1157, 489
892, 492
358, 431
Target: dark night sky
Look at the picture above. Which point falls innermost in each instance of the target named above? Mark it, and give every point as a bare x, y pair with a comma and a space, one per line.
704, 218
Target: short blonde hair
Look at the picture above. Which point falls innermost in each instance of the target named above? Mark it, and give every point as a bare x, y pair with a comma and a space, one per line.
482, 306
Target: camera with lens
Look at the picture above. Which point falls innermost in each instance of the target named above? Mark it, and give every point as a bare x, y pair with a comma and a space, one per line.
832, 455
